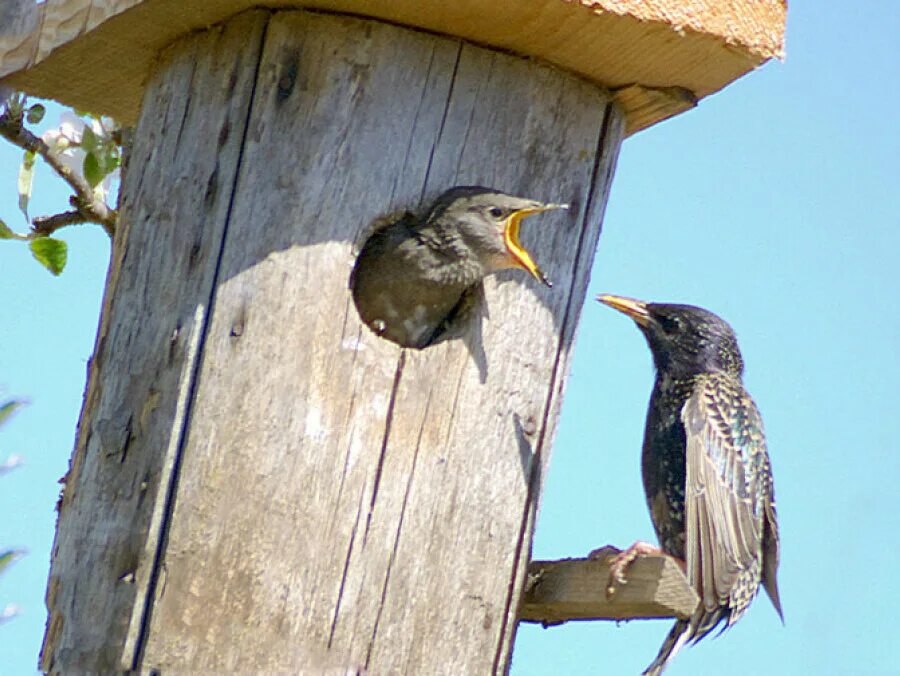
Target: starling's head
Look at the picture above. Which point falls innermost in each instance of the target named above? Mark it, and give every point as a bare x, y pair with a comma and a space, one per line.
685, 340
487, 223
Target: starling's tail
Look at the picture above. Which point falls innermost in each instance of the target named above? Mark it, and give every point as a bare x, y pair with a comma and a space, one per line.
678, 636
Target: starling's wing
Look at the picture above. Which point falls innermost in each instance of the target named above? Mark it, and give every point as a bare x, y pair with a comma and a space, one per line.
380, 224
771, 546
728, 492
454, 325
376, 238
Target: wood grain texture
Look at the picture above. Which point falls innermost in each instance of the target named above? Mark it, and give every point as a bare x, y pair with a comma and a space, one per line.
648, 105
575, 589
174, 205
337, 502
96, 54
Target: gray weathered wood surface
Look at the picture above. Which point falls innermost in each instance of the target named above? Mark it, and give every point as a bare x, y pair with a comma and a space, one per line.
575, 589
174, 207
314, 496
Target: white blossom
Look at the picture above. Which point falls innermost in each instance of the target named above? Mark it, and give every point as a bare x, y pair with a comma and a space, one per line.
11, 463
65, 142
9, 612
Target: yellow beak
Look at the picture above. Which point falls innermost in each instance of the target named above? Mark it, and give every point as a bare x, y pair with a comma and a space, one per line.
511, 239
636, 309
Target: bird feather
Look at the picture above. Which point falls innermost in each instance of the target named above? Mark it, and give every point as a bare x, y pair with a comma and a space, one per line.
729, 501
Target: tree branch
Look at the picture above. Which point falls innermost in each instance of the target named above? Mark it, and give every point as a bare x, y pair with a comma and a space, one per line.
90, 208
44, 226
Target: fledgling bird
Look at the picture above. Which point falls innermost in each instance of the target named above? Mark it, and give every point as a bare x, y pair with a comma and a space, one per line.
415, 276
706, 469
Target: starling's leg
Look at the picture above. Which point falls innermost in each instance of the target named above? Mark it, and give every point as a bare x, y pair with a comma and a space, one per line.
620, 560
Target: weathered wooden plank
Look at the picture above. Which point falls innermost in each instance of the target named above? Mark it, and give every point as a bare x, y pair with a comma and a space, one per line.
174, 205
332, 486
292, 492
484, 431
277, 484
612, 134
575, 589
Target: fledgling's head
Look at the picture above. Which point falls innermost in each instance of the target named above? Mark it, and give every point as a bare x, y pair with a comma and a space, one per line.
685, 340
487, 222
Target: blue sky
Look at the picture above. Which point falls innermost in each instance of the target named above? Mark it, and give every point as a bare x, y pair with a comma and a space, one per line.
775, 204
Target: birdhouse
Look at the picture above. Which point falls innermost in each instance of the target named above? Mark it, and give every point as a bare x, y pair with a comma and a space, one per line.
261, 481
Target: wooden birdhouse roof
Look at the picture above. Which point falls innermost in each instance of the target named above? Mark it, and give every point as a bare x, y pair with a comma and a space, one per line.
658, 56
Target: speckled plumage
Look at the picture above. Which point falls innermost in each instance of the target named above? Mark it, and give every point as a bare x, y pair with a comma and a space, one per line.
705, 467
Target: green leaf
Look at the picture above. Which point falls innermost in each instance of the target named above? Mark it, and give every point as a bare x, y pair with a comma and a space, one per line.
93, 172
89, 140
8, 408
5, 231
8, 233
35, 113
9, 556
112, 158
26, 178
50, 252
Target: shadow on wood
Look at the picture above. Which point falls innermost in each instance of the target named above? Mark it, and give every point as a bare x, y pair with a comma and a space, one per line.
575, 589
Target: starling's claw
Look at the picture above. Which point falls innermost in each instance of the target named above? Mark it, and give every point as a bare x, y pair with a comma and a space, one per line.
619, 563
606, 553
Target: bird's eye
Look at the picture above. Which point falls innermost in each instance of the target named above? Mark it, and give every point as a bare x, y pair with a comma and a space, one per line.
668, 324
495, 212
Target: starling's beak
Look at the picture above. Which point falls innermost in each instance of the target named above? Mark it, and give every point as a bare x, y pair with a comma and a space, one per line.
511, 238
636, 309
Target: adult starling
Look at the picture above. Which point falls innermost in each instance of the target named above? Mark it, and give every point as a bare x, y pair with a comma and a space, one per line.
706, 469
415, 276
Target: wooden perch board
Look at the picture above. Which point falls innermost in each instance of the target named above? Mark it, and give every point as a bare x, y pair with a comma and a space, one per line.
575, 589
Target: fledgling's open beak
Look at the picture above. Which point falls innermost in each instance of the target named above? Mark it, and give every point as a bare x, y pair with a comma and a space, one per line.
511, 238
636, 309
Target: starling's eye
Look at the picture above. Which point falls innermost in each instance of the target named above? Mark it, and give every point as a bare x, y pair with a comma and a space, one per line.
668, 324
496, 212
